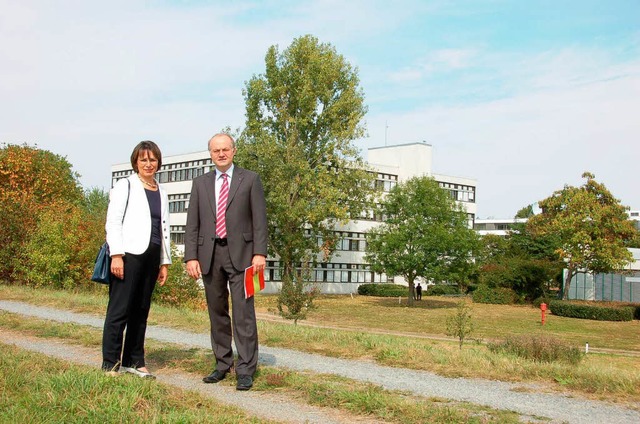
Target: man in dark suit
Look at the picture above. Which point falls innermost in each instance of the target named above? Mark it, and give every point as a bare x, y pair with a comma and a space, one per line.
226, 232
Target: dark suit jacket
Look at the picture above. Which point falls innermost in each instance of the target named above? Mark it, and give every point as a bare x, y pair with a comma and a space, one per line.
246, 220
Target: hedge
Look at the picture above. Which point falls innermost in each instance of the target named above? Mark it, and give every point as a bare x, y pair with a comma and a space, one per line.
442, 290
383, 290
599, 313
494, 295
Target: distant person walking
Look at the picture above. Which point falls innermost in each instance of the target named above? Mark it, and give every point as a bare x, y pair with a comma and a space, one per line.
226, 233
138, 236
419, 292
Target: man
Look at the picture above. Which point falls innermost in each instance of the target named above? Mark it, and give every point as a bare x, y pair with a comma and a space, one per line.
226, 232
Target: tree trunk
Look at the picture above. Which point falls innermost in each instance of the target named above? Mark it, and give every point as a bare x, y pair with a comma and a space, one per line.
411, 291
567, 284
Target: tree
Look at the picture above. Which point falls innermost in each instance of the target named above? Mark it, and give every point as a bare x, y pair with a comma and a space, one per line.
522, 262
61, 249
31, 181
295, 300
459, 324
592, 227
425, 234
303, 116
525, 212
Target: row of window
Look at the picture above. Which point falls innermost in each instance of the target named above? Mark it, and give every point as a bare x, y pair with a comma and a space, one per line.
332, 273
187, 171
181, 174
179, 203
492, 226
347, 241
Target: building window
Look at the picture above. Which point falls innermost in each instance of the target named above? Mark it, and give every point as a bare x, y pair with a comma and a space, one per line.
178, 202
177, 234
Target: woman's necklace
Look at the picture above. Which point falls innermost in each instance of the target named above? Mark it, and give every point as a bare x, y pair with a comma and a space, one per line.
153, 186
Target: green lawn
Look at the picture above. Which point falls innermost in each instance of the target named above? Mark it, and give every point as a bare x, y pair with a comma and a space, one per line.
350, 327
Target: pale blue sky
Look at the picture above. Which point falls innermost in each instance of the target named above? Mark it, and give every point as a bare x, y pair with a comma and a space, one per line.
521, 95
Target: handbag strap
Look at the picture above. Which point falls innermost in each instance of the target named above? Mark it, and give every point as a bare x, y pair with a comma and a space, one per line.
127, 204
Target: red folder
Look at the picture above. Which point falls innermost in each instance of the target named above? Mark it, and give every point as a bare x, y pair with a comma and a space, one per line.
253, 282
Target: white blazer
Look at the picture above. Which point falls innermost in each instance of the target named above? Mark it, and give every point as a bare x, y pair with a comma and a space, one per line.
134, 233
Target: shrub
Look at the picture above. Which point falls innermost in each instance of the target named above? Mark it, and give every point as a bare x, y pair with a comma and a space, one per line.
497, 295
442, 290
460, 324
587, 311
382, 290
32, 181
296, 298
527, 276
179, 289
538, 348
543, 299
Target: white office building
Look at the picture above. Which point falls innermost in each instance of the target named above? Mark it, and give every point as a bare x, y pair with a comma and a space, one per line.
498, 227
346, 270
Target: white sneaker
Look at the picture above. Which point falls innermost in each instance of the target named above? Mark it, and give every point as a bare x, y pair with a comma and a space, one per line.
136, 371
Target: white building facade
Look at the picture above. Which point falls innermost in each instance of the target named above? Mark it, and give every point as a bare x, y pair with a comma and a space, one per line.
346, 269
498, 227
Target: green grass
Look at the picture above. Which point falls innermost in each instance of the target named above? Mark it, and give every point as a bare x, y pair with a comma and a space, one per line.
39, 389
611, 377
370, 400
351, 397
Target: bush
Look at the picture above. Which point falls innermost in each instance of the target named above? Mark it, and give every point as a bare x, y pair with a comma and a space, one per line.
538, 348
383, 290
528, 277
497, 295
543, 299
460, 324
179, 289
586, 311
296, 298
442, 290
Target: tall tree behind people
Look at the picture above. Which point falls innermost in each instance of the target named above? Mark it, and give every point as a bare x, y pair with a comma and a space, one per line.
425, 234
592, 225
303, 116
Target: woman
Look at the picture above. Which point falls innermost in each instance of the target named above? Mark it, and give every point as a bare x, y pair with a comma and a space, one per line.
138, 236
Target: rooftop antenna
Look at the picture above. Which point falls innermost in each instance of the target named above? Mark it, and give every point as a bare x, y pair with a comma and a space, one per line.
386, 127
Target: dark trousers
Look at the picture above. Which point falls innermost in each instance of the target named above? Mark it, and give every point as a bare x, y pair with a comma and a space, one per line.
129, 304
245, 331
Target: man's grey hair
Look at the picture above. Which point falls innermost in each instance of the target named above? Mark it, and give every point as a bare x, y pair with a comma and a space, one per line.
233, 142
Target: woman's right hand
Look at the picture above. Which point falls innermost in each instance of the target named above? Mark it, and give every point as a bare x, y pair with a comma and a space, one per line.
117, 266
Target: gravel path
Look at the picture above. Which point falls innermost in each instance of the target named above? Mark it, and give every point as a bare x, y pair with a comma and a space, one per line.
500, 395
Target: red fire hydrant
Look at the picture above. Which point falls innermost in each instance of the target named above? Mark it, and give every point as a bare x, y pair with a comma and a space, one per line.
543, 309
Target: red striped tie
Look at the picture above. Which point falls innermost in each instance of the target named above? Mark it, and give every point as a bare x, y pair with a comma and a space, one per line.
221, 224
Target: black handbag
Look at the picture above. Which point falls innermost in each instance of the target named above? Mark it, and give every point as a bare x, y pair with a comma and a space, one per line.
102, 268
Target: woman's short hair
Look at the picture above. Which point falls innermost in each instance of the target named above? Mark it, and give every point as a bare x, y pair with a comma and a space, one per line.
146, 145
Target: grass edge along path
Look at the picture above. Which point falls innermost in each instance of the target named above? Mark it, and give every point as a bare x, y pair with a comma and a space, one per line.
329, 396
528, 403
49, 389
603, 377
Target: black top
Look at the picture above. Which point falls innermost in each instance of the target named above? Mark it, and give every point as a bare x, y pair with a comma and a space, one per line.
153, 197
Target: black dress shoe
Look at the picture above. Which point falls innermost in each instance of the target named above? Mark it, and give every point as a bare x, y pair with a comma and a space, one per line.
245, 382
215, 377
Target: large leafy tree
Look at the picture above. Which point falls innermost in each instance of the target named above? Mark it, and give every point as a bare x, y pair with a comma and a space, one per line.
591, 225
425, 234
302, 118
32, 181
521, 262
